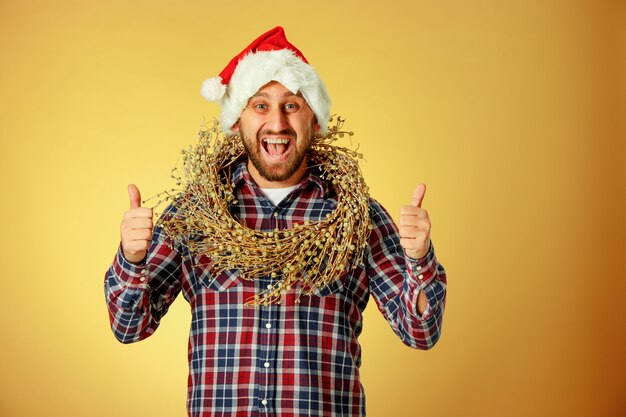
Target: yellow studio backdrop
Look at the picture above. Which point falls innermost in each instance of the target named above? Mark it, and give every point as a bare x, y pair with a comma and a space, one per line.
512, 112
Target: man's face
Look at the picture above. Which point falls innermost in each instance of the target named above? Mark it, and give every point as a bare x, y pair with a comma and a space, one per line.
276, 128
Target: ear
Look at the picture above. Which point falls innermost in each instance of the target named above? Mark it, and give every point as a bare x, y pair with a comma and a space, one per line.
316, 126
235, 127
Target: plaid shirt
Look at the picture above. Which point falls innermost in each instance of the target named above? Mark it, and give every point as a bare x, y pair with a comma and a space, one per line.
293, 359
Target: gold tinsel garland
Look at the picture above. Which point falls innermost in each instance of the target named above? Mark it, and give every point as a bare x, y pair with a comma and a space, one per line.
311, 254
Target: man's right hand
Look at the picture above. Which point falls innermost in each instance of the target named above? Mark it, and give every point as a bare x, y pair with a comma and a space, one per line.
136, 229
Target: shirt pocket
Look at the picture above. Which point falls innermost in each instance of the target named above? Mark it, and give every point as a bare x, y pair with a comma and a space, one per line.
336, 286
332, 288
221, 282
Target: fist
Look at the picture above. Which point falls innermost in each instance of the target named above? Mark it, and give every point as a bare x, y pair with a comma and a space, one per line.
415, 226
136, 229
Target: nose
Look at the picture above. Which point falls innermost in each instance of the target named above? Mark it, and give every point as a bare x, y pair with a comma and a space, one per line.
277, 120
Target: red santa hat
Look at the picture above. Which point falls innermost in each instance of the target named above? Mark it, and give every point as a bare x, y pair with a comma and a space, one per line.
269, 58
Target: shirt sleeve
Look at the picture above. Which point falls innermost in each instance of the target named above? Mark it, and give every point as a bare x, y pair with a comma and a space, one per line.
139, 295
396, 280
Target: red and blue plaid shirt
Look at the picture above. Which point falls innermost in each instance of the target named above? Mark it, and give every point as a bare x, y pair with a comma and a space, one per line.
293, 359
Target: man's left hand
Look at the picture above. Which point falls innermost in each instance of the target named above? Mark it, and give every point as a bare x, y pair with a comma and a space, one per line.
415, 226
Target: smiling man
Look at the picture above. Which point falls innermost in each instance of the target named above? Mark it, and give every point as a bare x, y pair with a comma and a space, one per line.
299, 356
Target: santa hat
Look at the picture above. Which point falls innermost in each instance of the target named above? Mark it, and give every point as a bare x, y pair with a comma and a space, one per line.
269, 58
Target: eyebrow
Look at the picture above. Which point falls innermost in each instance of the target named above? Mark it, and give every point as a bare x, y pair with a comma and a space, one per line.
287, 94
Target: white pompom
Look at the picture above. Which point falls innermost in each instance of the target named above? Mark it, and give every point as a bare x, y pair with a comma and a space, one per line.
213, 89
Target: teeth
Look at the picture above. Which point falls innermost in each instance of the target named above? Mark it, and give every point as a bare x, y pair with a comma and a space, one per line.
276, 141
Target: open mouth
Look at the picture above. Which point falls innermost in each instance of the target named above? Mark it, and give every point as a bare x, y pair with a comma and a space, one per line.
276, 148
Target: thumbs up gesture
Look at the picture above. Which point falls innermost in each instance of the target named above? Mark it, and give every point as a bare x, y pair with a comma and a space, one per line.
136, 229
415, 226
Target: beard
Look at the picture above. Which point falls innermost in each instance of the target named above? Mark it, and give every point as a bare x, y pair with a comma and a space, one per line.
282, 170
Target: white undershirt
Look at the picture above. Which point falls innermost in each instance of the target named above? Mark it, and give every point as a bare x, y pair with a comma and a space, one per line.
276, 195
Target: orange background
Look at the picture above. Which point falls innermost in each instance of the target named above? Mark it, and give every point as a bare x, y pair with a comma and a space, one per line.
512, 112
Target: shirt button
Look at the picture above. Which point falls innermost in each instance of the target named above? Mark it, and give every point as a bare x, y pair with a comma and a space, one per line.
269, 286
142, 279
266, 364
264, 402
418, 268
420, 277
275, 214
268, 325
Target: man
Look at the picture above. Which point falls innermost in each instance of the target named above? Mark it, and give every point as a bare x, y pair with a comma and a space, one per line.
300, 356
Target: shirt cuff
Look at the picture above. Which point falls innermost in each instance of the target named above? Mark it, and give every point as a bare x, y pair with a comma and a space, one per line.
128, 273
422, 271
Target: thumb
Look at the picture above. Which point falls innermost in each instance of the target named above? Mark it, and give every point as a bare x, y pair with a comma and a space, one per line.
134, 195
418, 195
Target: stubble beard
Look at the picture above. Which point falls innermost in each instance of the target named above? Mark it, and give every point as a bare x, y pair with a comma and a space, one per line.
285, 169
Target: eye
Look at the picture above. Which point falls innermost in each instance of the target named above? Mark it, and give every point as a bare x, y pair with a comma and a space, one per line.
291, 107
260, 106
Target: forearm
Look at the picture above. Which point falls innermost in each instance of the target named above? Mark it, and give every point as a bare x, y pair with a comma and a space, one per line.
422, 303
127, 297
421, 314
138, 295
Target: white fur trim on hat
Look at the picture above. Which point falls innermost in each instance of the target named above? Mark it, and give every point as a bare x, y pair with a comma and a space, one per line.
257, 69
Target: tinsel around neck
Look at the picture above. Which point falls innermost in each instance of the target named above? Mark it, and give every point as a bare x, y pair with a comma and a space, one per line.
310, 254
